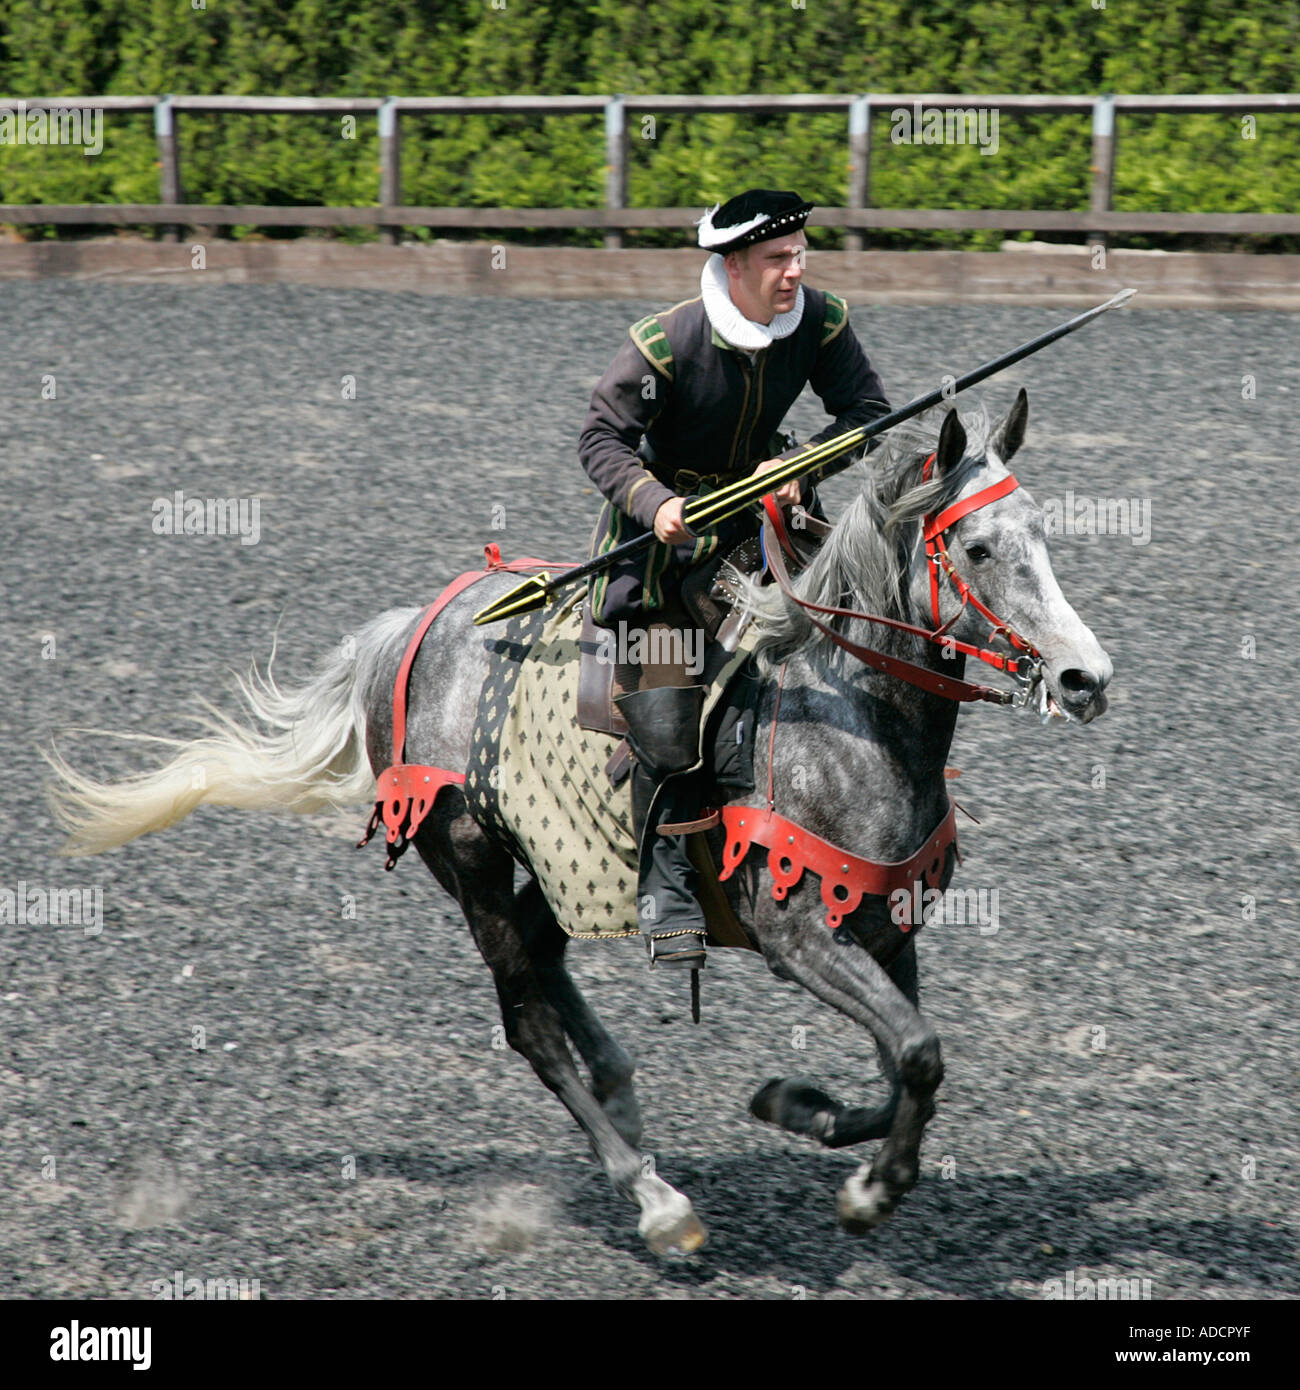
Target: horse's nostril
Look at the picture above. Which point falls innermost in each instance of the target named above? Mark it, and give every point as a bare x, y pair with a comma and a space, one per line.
1080, 686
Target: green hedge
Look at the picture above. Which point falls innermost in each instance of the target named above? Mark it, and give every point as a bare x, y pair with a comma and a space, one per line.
472, 47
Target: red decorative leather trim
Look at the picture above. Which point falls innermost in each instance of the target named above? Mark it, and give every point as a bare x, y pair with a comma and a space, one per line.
407, 791
846, 878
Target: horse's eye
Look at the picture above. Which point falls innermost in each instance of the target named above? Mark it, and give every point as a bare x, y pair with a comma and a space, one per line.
977, 552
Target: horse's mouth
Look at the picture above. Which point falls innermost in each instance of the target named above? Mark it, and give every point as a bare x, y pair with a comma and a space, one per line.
1050, 703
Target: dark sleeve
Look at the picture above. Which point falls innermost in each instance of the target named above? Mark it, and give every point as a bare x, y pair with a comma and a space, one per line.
623, 406
848, 386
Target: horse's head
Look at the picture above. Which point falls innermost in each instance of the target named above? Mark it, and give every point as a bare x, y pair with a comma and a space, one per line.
999, 549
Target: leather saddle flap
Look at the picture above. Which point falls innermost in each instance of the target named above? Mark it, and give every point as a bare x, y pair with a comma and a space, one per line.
705, 605
596, 708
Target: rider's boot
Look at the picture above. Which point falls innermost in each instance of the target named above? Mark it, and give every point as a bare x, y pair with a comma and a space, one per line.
663, 731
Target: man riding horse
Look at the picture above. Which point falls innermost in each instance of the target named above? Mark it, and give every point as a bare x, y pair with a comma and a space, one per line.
693, 401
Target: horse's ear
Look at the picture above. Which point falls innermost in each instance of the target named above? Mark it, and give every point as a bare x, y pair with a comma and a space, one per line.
1010, 434
952, 444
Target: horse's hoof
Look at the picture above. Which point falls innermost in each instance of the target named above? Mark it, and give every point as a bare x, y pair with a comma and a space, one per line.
680, 1235
765, 1104
863, 1206
796, 1105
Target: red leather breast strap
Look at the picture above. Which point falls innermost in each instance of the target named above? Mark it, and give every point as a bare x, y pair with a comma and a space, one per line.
407, 791
846, 878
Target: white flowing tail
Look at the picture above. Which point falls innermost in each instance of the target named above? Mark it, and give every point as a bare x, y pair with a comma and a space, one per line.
311, 755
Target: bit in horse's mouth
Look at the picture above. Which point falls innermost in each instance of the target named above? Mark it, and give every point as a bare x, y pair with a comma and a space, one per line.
1046, 704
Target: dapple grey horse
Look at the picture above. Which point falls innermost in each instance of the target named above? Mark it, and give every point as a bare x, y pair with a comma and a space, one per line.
869, 752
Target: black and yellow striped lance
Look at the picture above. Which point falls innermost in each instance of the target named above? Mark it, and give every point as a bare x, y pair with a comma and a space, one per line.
822, 459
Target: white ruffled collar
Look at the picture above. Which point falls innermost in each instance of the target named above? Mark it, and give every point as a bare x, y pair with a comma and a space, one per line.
730, 323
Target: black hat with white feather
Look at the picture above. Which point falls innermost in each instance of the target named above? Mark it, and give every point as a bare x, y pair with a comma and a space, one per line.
758, 214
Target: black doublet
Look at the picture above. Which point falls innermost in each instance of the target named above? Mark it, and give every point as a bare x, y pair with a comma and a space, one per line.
678, 404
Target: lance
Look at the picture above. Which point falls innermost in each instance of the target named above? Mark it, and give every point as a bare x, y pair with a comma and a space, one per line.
824, 460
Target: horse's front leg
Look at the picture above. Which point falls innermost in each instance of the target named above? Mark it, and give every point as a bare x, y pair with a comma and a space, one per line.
842, 974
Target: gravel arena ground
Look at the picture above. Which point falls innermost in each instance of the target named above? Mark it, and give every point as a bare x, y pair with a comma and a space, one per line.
1120, 1091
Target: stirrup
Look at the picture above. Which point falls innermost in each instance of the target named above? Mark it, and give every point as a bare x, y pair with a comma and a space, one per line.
678, 948
695, 956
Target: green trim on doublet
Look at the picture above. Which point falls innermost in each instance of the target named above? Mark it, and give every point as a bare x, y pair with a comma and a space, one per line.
613, 535
835, 316
658, 558
652, 342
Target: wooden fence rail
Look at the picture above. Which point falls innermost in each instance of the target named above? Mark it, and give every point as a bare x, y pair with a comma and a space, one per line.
172, 212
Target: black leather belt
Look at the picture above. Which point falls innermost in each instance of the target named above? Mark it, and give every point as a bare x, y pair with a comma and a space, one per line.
682, 480
686, 480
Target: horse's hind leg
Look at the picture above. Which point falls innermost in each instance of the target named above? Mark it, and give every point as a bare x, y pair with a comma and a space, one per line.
850, 980
610, 1067
480, 876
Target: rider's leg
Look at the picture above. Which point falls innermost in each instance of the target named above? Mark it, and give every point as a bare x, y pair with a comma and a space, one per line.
662, 710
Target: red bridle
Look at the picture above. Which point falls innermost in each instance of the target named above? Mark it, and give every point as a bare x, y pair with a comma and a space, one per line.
936, 553
1024, 668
